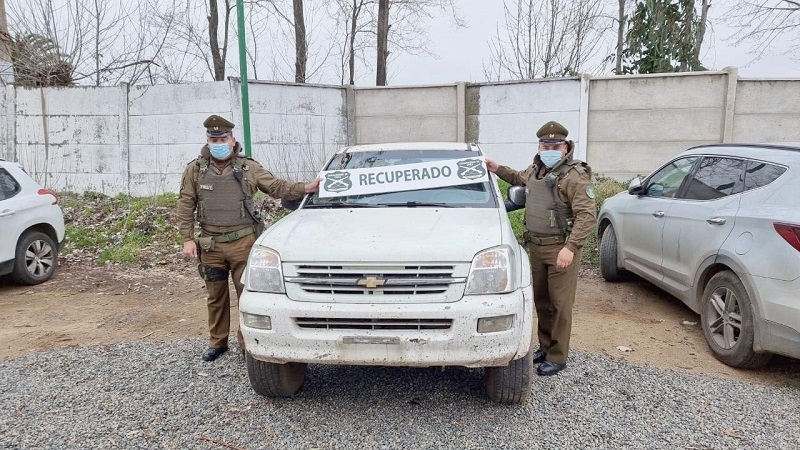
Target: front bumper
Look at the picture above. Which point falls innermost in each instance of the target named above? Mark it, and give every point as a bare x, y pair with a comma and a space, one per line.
459, 345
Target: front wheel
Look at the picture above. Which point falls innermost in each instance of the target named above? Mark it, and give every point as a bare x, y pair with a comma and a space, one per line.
510, 384
275, 380
36, 258
728, 321
609, 268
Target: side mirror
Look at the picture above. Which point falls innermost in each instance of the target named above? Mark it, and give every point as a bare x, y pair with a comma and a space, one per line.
636, 188
516, 198
291, 205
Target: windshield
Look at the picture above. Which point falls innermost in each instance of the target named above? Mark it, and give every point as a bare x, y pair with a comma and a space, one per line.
477, 195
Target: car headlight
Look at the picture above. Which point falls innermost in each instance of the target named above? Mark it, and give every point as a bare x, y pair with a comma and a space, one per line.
492, 272
264, 272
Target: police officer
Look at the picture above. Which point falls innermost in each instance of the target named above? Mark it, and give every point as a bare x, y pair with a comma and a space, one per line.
559, 216
218, 187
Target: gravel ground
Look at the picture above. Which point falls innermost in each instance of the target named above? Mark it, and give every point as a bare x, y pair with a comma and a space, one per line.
161, 395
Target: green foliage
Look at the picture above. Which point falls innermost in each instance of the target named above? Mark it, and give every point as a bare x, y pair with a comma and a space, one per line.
663, 36
119, 229
604, 187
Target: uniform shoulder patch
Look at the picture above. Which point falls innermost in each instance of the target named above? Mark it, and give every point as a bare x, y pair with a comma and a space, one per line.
590, 192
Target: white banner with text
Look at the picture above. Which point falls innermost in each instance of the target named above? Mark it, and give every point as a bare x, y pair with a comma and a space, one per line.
405, 177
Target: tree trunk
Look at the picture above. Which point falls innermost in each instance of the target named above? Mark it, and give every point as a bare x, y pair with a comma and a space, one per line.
701, 31
620, 37
213, 27
301, 47
353, 27
383, 40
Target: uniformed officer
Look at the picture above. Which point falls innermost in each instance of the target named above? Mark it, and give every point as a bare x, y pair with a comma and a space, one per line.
559, 216
218, 186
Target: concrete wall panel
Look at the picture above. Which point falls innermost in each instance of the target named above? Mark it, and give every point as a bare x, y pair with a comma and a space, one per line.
74, 101
434, 100
68, 130
202, 99
663, 92
768, 97
661, 124
420, 128
535, 97
627, 161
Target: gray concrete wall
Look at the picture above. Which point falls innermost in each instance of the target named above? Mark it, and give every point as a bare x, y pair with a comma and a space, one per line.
138, 140
636, 123
294, 128
767, 111
399, 114
69, 138
504, 117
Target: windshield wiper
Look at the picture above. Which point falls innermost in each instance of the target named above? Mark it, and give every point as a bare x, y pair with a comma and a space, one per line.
342, 205
415, 204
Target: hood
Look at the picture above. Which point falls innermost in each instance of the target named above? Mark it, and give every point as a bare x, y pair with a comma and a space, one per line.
384, 234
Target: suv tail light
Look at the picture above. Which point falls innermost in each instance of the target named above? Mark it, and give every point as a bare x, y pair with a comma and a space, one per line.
49, 192
791, 233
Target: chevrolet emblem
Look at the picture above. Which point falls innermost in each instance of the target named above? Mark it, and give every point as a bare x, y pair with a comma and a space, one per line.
371, 282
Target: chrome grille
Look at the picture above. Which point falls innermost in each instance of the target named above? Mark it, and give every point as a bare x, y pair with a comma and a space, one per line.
373, 324
374, 280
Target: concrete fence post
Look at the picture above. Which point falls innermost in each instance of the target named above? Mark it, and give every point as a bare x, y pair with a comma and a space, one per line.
583, 114
730, 103
461, 112
11, 123
124, 137
350, 111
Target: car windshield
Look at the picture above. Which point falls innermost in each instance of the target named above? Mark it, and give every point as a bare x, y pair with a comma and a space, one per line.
477, 195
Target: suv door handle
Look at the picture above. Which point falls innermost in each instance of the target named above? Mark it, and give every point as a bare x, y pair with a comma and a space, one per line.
8, 212
658, 214
716, 221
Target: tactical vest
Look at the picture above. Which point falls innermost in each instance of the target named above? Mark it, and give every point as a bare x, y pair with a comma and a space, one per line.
545, 213
221, 198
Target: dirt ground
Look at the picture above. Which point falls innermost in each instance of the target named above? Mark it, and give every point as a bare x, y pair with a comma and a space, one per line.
99, 305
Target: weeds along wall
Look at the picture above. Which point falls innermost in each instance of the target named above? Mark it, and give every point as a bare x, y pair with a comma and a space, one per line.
137, 140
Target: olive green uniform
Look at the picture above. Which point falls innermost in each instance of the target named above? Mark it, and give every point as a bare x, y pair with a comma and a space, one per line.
555, 218
220, 203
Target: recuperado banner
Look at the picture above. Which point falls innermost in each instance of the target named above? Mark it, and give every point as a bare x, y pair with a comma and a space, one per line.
405, 177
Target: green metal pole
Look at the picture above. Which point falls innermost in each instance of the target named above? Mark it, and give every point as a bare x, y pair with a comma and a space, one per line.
243, 77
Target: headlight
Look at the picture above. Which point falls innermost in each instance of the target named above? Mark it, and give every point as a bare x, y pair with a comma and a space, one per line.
264, 271
491, 272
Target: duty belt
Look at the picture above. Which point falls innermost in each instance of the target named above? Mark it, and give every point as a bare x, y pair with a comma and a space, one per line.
234, 235
543, 240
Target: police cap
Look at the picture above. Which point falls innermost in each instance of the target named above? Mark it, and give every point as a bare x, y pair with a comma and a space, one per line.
552, 132
217, 126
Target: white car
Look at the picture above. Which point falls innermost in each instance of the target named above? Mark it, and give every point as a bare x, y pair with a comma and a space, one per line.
32, 224
420, 278
718, 227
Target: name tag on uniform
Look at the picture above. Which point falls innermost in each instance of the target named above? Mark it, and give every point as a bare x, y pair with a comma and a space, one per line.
207, 187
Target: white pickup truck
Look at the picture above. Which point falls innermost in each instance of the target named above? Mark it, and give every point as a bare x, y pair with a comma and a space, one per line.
421, 278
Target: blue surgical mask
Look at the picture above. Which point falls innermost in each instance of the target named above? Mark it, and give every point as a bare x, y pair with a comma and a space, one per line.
220, 151
550, 157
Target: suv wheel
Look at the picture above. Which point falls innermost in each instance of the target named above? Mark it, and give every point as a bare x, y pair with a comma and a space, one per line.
608, 255
36, 258
726, 316
275, 380
510, 384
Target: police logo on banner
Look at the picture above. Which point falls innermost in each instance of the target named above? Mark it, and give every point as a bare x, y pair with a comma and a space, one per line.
471, 169
338, 181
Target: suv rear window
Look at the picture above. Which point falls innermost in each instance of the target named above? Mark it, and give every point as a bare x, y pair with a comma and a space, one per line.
716, 177
477, 195
759, 174
9, 187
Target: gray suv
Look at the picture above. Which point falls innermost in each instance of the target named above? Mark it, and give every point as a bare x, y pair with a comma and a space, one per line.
718, 227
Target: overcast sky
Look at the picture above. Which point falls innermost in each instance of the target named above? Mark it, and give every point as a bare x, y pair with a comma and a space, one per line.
462, 52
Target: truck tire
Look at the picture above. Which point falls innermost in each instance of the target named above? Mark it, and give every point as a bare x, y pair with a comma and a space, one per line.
608, 256
36, 258
275, 380
510, 384
728, 322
